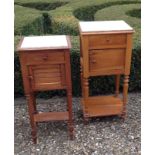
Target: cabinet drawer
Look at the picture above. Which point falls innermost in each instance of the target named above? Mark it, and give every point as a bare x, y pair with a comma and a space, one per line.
108, 61
106, 40
44, 57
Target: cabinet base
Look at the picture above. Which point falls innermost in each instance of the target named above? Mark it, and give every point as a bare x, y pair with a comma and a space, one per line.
102, 106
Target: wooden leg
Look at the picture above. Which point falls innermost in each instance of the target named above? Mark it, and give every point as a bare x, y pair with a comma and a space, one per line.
31, 110
34, 102
86, 87
69, 95
117, 83
125, 94
81, 74
85, 120
85, 95
70, 121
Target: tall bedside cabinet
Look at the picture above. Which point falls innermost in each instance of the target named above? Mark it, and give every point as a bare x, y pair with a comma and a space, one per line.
45, 65
106, 48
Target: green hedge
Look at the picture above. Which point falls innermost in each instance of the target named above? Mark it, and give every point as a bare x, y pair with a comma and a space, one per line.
134, 13
98, 84
30, 21
87, 13
27, 19
120, 12
43, 5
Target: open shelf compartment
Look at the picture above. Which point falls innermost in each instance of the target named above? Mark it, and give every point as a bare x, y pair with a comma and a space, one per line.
102, 106
51, 116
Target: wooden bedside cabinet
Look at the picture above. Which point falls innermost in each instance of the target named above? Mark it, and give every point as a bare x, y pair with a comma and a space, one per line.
106, 48
45, 65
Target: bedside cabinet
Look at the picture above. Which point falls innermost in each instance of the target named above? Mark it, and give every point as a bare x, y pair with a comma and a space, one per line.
106, 48
45, 65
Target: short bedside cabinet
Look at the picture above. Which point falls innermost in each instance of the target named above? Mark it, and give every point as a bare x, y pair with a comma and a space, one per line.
45, 65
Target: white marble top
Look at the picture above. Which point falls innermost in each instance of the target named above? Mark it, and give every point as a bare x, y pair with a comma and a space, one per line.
94, 26
44, 41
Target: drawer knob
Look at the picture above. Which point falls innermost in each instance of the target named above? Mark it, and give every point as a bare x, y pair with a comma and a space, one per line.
91, 53
93, 61
30, 77
45, 57
108, 40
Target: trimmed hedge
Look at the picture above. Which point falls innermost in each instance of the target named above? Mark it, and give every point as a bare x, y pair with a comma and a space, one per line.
43, 5
134, 13
98, 85
31, 22
87, 13
62, 21
38, 1
26, 17
120, 12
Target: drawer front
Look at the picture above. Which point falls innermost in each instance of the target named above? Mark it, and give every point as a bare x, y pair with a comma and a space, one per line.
106, 40
47, 77
108, 61
44, 57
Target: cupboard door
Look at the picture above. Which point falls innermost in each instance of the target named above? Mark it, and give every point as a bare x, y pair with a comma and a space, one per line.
107, 61
47, 77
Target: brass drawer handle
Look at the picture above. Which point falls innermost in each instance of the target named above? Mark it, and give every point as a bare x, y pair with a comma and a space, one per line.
93, 61
45, 57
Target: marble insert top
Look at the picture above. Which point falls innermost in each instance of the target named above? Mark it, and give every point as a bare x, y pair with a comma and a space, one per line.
44, 42
94, 26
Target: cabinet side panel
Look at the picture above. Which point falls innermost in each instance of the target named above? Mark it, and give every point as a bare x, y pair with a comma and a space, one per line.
24, 71
84, 48
128, 54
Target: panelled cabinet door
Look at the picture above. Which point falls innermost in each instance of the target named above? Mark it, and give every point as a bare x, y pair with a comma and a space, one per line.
106, 61
47, 77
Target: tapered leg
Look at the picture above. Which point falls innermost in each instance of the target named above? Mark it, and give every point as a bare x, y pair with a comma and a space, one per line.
70, 121
85, 119
125, 94
81, 75
69, 95
34, 102
117, 83
86, 95
86, 87
31, 109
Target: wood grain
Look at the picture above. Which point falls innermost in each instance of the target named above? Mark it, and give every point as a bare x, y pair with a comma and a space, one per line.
105, 53
46, 69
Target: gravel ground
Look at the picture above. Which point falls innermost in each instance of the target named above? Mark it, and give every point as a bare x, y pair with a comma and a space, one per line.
102, 136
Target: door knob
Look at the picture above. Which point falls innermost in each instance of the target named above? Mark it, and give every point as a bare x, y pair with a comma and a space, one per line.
30, 77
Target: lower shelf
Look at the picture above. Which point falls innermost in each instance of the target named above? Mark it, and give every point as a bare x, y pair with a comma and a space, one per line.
51, 116
102, 106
